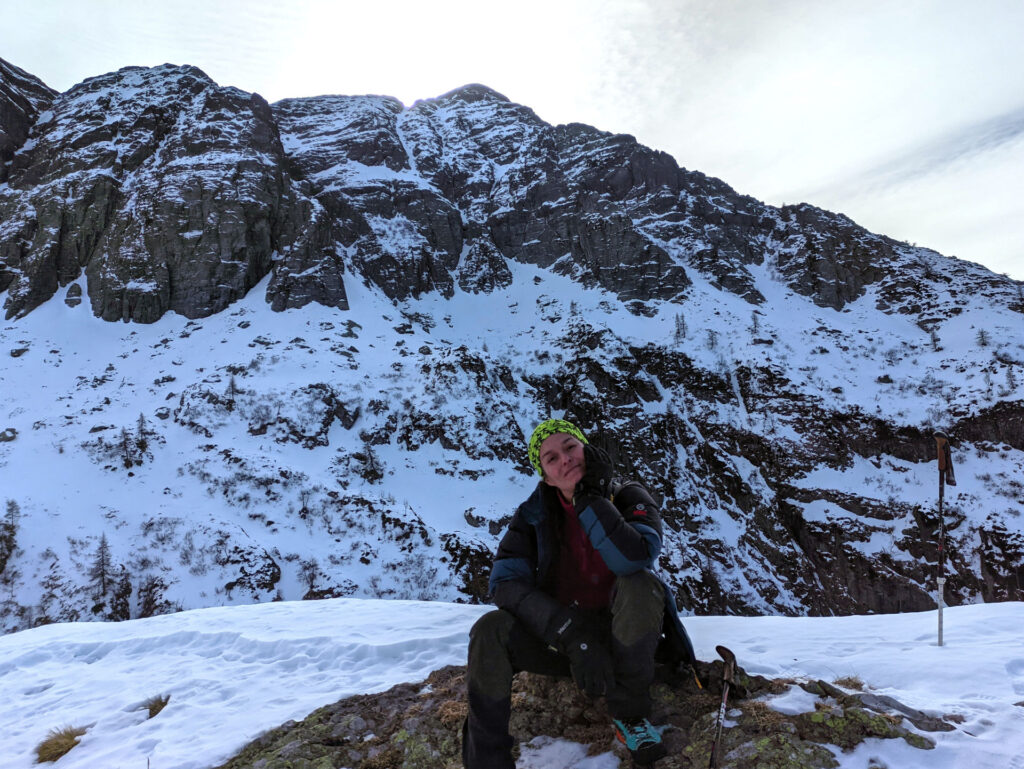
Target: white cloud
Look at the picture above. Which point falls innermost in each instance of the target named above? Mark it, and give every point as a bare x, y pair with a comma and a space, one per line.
968, 207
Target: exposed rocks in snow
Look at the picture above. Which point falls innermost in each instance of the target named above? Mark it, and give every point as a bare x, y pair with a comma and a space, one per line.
419, 725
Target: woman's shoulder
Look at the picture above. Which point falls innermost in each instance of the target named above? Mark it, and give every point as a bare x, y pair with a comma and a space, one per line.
629, 494
534, 508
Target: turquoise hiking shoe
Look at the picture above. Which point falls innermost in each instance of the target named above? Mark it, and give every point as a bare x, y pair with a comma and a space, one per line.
641, 738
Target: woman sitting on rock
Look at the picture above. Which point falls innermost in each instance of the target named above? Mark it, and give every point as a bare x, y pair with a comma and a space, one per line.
576, 596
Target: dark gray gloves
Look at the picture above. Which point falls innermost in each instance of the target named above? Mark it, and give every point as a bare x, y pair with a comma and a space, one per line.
597, 475
589, 658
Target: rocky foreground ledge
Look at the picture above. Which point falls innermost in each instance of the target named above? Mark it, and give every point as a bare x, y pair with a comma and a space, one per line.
418, 726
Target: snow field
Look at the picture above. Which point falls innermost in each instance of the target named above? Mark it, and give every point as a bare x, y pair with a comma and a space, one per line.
234, 672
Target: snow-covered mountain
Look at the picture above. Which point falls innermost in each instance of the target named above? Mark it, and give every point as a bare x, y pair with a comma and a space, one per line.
345, 316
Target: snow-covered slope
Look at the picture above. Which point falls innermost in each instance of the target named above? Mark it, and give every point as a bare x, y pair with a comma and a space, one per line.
312, 452
232, 673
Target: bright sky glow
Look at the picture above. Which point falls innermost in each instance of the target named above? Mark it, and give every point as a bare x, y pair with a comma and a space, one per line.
788, 100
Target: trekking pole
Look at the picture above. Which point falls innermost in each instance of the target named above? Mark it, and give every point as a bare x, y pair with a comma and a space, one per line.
728, 672
945, 476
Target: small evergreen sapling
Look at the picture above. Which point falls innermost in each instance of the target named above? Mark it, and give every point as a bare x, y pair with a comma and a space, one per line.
142, 433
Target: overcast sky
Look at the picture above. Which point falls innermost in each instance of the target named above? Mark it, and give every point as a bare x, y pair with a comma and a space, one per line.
906, 115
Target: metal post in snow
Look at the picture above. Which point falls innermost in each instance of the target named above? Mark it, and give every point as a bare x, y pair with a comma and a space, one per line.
945, 476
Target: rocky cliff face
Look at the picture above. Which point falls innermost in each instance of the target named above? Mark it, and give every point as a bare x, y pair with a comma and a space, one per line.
172, 193
22, 98
464, 269
169, 192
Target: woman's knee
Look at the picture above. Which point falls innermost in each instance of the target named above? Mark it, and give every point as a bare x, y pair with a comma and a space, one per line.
641, 587
491, 629
489, 670
638, 608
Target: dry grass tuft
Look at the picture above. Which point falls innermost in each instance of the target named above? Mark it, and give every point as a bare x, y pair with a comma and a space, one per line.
57, 743
452, 713
781, 685
764, 718
155, 704
851, 682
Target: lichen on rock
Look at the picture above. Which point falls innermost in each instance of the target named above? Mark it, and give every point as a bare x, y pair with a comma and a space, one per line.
419, 726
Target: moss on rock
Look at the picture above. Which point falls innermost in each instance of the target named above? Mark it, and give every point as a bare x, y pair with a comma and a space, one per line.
780, 751
419, 726
847, 727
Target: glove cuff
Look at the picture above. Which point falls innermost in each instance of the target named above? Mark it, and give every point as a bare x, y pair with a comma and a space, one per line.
561, 631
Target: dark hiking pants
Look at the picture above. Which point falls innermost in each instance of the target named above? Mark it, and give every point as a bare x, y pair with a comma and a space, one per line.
501, 646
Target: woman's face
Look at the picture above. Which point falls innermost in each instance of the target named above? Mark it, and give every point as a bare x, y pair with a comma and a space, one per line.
561, 459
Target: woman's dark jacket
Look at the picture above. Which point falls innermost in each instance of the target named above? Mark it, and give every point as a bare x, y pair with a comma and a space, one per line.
626, 530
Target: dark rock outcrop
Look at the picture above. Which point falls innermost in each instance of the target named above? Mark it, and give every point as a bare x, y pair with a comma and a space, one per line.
829, 258
397, 232
22, 98
169, 191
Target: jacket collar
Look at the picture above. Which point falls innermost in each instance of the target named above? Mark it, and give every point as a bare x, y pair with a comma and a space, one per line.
534, 509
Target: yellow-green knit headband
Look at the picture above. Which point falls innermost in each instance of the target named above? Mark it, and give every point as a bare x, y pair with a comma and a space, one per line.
545, 430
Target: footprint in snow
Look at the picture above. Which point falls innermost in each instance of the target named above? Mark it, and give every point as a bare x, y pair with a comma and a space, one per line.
37, 689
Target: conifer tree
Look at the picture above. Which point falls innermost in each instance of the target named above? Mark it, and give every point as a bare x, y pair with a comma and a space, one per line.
680, 332
12, 514
142, 433
54, 586
101, 570
151, 596
120, 601
8, 534
127, 446
231, 393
